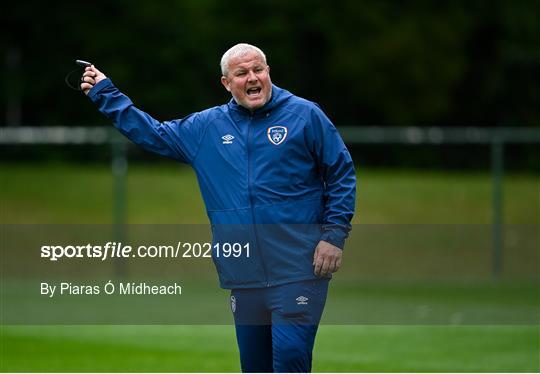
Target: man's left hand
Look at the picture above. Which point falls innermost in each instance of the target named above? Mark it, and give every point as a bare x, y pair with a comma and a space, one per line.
327, 259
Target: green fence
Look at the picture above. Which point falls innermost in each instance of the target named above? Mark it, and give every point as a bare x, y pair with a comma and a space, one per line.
496, 138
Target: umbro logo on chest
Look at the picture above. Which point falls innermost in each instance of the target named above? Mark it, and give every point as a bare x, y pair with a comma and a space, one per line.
227, 139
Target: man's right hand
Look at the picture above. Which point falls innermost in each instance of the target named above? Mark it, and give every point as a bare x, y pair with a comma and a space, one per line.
90, 78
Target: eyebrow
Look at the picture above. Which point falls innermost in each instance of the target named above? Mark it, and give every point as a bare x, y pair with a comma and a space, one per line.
257, 66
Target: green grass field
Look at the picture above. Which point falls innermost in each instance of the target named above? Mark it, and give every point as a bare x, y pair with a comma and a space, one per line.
165, 193
213, 348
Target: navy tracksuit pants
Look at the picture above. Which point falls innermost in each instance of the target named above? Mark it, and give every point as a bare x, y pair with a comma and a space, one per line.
276, 326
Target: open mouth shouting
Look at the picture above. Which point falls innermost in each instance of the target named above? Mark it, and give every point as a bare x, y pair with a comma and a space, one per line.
253, 91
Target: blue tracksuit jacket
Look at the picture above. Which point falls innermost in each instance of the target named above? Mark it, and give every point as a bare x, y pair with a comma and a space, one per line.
279, 178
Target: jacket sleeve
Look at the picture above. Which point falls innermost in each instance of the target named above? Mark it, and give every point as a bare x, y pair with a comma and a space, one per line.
177, 139
338, 173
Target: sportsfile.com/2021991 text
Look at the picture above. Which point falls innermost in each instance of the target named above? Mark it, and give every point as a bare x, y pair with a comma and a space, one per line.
118, 250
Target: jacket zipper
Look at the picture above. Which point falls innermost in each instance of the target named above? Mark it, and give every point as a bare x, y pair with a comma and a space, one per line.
250, 188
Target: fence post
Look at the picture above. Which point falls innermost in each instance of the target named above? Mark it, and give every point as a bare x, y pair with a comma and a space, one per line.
497, 171
119, 166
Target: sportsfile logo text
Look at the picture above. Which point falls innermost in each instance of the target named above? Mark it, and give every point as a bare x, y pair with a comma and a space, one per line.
118, 250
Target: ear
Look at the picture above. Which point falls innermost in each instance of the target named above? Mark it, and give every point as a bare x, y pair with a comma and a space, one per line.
225, 83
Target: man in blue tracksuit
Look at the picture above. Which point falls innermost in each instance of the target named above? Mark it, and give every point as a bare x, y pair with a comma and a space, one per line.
273, 172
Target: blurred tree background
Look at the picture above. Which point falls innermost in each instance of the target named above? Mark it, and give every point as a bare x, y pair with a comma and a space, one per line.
388, 63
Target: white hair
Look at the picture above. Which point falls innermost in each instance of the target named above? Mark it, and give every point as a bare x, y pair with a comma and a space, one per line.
238, 50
